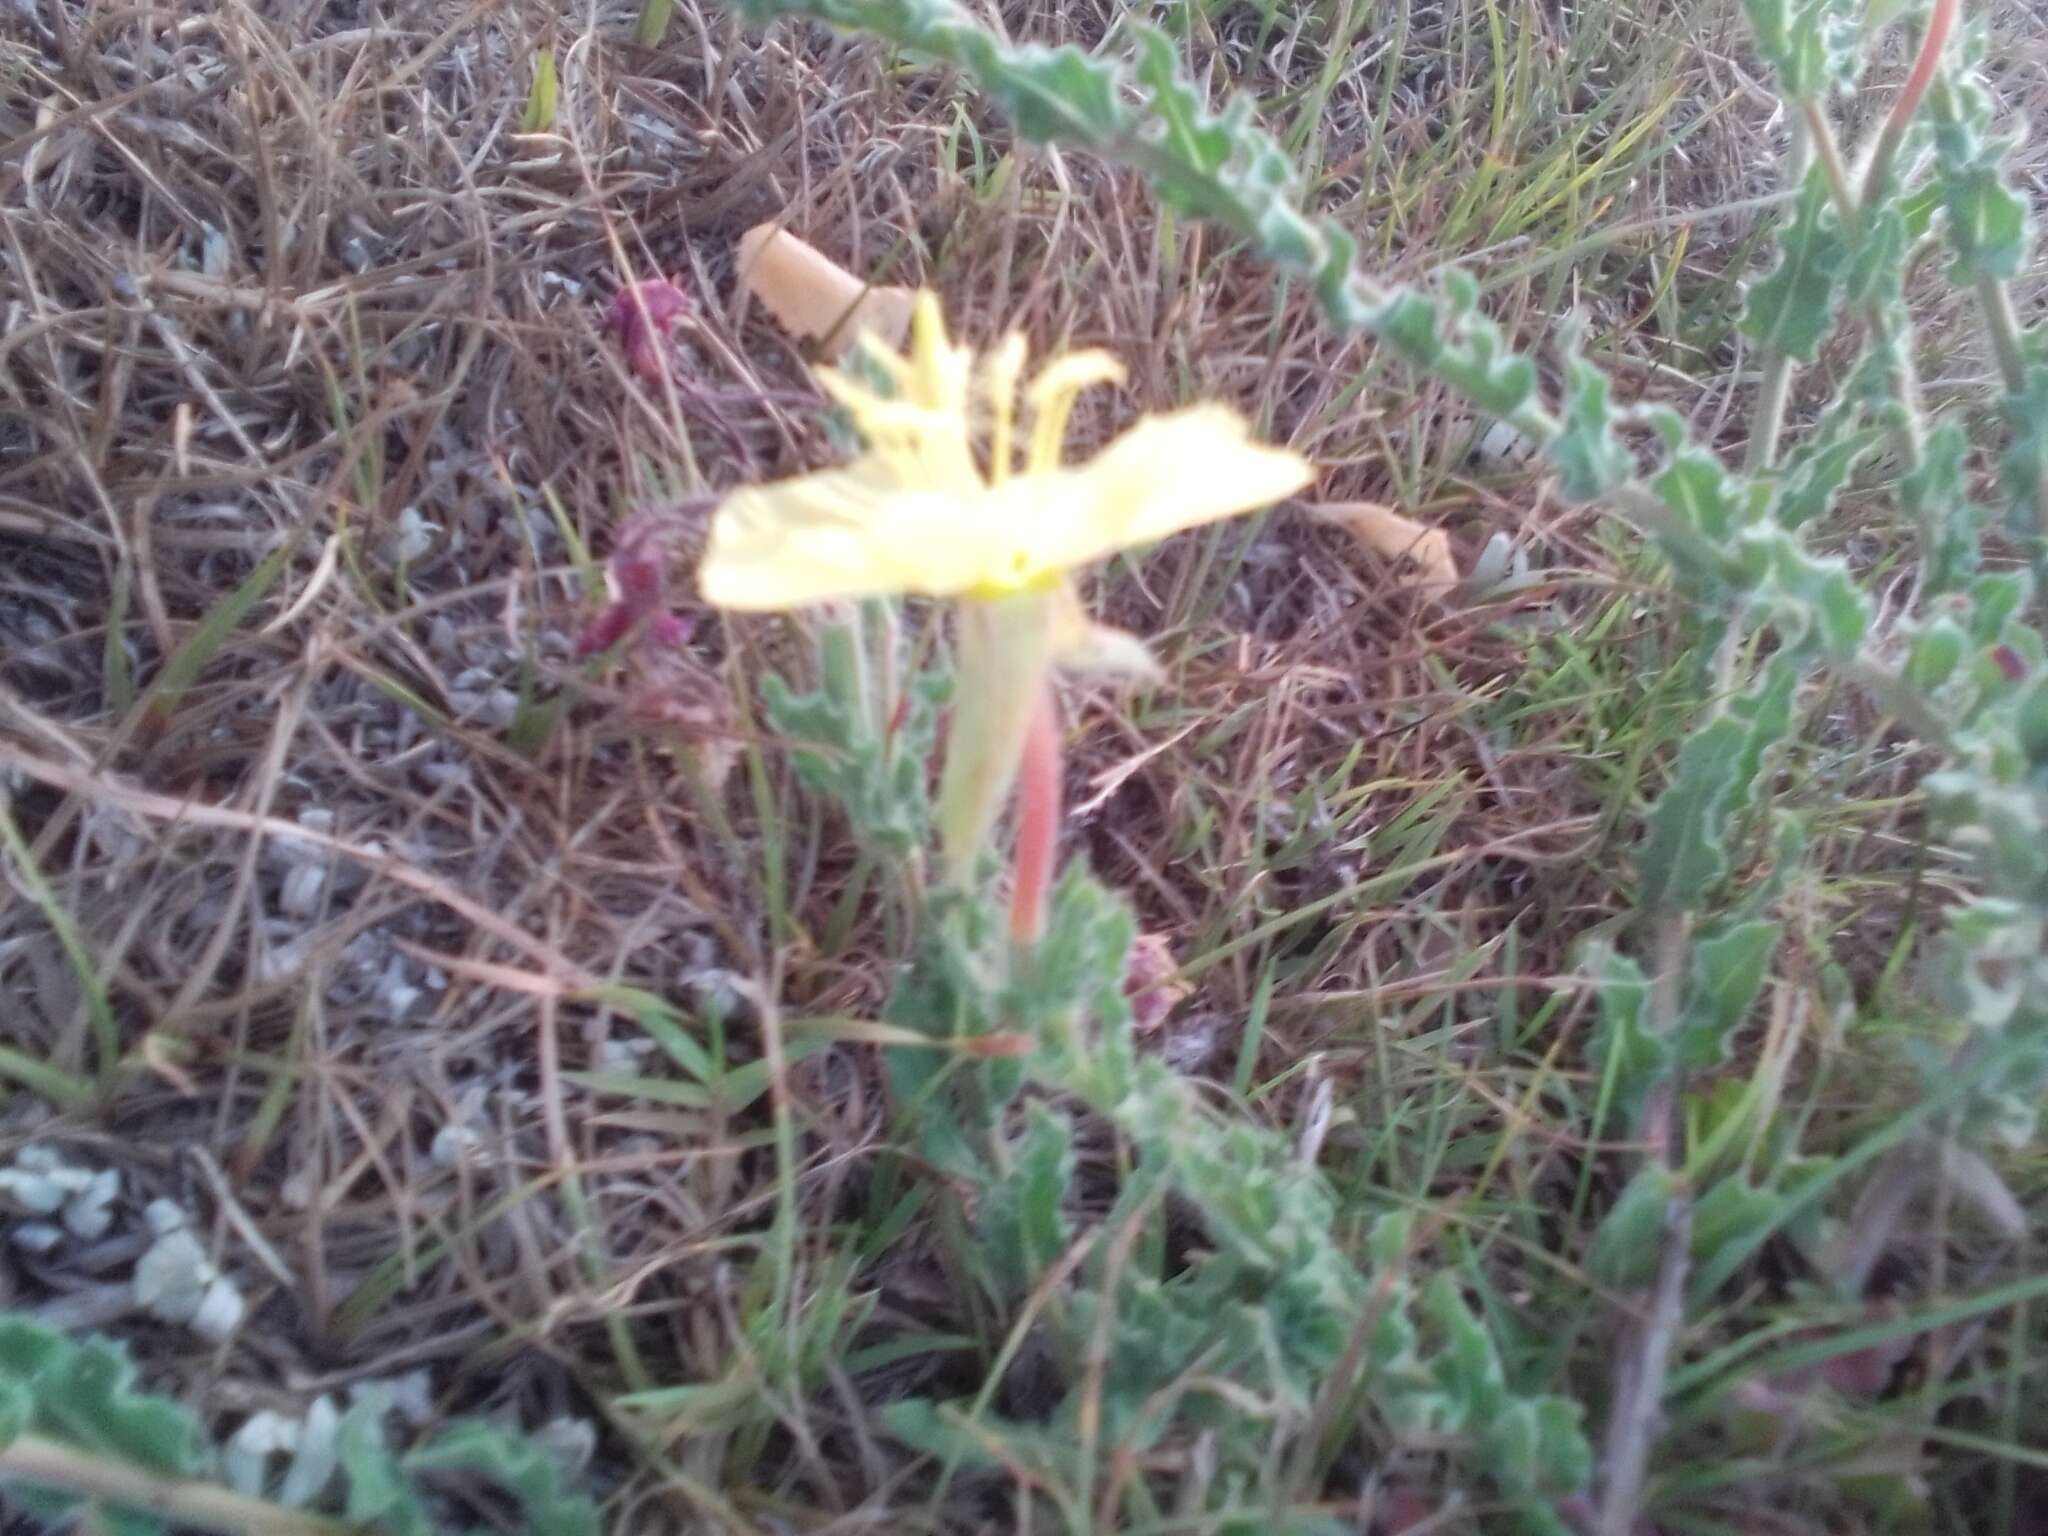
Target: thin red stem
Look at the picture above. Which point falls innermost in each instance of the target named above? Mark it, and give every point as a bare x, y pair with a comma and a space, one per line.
1940, 22
1038, 819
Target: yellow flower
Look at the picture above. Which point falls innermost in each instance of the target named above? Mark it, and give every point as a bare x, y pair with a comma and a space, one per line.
918, 513
937, 505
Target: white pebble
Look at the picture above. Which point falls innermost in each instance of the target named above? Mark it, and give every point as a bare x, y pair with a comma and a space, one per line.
172, 1278
454, 1144
300, 895
90, 1213
1501, 446
35, 1236
219, 1312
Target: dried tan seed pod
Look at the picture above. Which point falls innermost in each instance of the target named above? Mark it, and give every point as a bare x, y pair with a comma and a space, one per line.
811, 296
1396, 536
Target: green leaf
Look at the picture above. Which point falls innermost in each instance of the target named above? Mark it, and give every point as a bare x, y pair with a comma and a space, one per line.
1588, 451
17, 1410
2030, 721
1730, 1215
542, 97
1987, 224
1467, 1369
1199, 140
1049, 93
378, 1495
1811, 44
1814, 600
1995, 598
1528, 1445
1718, 770
1816, 470
1986, 221
81, 1394
1694, 484
1024, 1228
1478, 359
2024, 468
1408, 323
1627, 1243
1793, 308
652, 27
518, 1467
213, 632
1725, 976
1937, 492
1536, 1446
1937, 651
1453, 340
1624, 1050
872, 768
1876, 268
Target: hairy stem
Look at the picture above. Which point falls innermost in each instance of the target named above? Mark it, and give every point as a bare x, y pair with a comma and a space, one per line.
1768, 422
49, 1463
1635, 1420
1634, 1417
1940, 23
1908, 435
2004, 325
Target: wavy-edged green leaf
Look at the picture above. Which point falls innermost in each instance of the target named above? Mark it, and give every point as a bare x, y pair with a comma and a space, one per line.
378, 1495
1810, 44
515, 1465
1875, 270
1817, 469
81, 1393
873, 769
1536, 1446
1627, 1242
1625, 1050
1814, 599
1723, 981
2024, 467
1718, 769
1792, 307
1023, 1224
1589, 452
1049, 93
1730, 1215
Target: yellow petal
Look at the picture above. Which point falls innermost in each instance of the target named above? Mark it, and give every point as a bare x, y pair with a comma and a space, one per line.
1167, 473
1000, 371
841, 533
912, 446
1079, 644
1053, 394
940, 371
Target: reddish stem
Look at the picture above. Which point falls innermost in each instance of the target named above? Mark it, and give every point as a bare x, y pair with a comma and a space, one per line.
1940, 22
1038, 819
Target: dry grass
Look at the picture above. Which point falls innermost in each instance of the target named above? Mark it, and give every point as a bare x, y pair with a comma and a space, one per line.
289, 280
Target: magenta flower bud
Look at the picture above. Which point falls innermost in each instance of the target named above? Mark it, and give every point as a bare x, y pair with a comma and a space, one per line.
637, 575
641, 317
